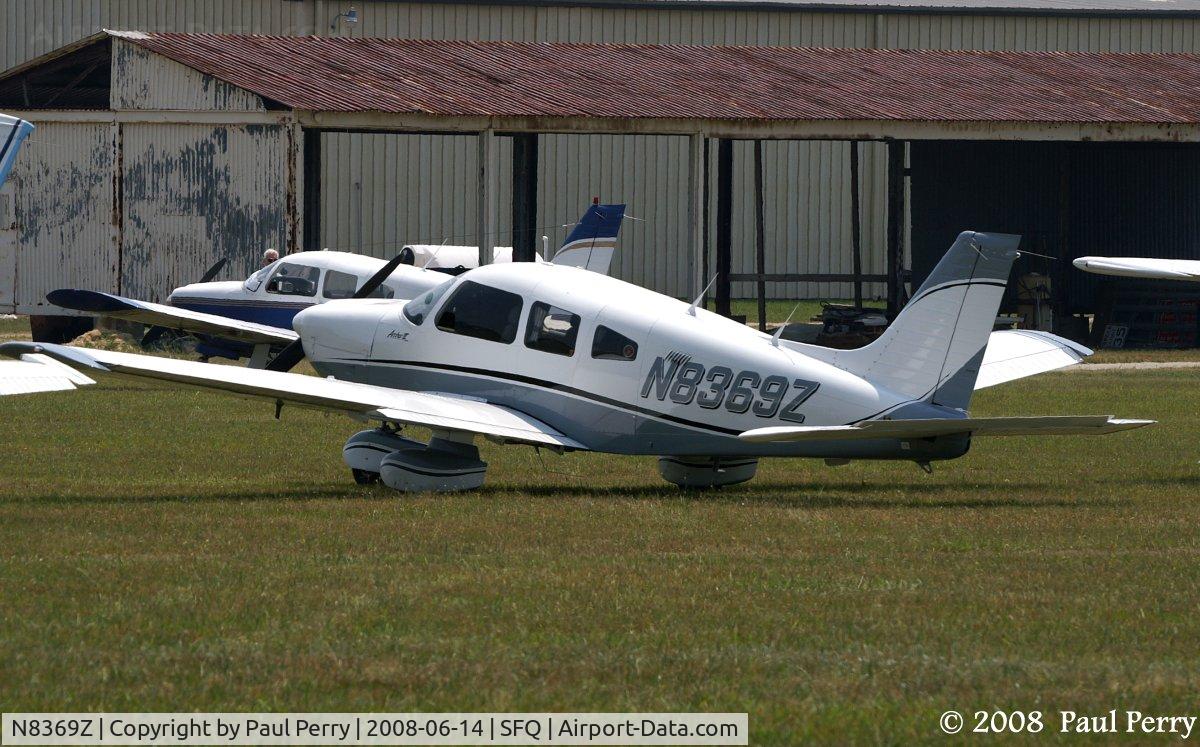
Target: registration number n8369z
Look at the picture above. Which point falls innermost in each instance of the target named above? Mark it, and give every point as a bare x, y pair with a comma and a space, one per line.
683, 381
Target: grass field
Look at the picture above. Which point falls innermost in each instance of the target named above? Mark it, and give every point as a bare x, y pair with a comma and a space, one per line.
164, 550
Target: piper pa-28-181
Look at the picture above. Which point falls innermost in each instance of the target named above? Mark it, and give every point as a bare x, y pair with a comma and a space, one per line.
263, 306
568, 360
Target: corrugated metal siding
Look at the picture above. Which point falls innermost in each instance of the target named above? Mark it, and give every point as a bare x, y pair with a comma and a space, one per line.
1119, 199
64, 203
806, 220
144, 80
194, 194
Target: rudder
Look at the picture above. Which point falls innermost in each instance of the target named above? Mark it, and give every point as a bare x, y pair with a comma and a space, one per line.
934, 348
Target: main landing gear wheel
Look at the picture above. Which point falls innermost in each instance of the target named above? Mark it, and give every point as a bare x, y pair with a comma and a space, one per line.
364, 477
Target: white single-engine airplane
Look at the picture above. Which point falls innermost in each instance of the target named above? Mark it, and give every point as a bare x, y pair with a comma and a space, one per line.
1141, 267
263, 306
559, 358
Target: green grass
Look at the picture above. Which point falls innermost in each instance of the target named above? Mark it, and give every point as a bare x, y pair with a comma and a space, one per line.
164, 550
14, 329
778, 311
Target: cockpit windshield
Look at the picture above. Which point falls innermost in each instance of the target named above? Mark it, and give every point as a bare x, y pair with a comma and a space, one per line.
417, 309
255, 281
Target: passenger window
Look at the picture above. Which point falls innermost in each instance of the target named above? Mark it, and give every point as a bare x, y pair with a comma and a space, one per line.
613, 346
481, 311
340, 284
551, 329
344, 284
294, 280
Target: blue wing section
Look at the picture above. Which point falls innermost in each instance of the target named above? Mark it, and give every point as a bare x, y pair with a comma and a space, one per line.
13, 132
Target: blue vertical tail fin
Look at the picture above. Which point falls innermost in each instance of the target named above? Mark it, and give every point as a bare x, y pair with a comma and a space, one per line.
12, 132
591, 244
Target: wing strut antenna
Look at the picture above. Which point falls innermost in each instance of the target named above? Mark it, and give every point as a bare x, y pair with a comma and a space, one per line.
699, 298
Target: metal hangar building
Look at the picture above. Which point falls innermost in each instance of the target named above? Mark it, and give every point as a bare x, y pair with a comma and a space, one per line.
158, 151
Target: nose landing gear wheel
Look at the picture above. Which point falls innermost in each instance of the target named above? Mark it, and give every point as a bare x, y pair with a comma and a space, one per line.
363, 477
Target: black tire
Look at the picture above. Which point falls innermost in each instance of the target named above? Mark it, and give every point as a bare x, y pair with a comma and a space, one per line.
363, 477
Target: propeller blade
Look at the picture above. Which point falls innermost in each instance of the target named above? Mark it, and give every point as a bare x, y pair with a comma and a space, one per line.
294, 352
212, 271
377, 279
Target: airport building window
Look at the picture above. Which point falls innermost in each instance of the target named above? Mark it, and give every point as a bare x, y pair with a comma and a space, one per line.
344, 284
481, 311
551, 329
294, 280
613, 346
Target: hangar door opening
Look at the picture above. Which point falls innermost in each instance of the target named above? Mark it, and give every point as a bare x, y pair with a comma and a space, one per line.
1067, 200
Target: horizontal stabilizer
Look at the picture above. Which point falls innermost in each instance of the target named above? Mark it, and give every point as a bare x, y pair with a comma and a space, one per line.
1049, 425
1016, 353
171, 317
1141, 267
364, 401
33, 372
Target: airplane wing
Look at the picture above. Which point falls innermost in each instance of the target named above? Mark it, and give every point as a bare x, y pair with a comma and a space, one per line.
432, 410
1047, 425
1016, 353
33, 372
171, 317
1141, 267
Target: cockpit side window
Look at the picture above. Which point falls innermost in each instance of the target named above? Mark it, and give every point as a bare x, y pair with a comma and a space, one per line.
294, 280
417, 309
477, 310
613, 346
551, 329
344, 284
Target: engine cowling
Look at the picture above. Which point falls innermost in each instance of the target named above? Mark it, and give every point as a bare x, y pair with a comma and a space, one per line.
439, 466
706, 472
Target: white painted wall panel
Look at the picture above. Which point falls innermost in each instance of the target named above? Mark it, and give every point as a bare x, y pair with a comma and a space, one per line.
194, 194
64, 206
144, 80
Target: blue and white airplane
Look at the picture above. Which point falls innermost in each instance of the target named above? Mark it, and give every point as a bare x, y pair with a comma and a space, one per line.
559, 358
264, 304
13, 132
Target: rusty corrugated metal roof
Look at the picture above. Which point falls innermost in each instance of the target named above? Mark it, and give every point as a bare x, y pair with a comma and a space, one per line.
520, 79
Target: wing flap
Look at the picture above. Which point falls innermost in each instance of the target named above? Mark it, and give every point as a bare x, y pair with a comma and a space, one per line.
1017, 353
172, 317
1047, 425
438, 411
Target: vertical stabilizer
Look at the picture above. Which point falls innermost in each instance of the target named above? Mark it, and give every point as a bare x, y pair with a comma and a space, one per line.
591, 243
934, 348
13, 132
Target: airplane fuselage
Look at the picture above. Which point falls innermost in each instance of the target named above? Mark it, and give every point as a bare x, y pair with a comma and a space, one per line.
612, 365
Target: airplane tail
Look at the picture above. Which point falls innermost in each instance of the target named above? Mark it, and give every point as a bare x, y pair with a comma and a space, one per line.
12, 132
594, 239
935, 347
